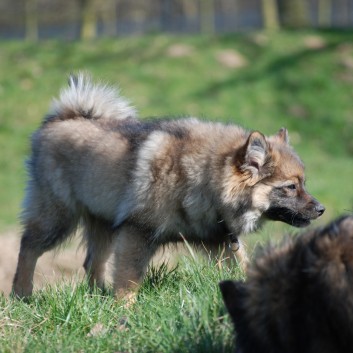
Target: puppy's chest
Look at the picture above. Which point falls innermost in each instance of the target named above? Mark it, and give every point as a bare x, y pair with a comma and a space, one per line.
178, 226
201, 223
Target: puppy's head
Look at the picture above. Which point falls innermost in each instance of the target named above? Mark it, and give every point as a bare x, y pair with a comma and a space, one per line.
298, 297
289, 200
276, 173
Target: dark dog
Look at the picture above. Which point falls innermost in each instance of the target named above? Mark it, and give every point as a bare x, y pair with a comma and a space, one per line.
298, 297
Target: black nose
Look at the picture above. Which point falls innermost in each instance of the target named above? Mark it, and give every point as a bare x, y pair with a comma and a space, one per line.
320, 209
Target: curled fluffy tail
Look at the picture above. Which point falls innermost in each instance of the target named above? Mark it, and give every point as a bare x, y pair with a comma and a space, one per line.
85, 99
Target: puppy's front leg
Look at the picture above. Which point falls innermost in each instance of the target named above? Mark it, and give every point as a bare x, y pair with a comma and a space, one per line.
229, 253
238, 250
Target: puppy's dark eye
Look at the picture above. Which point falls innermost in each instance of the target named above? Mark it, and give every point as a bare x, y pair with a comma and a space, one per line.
291, 187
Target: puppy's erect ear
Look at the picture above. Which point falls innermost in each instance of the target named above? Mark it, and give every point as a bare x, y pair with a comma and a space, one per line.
256, 151
233, 293
282, 135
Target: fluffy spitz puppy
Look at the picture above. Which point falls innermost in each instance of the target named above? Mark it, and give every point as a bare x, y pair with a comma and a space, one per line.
135, 185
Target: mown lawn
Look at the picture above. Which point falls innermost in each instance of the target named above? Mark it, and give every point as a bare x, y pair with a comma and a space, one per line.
301, 80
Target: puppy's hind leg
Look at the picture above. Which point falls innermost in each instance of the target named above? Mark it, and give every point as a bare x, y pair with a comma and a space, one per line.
133, 252
46, 225
98, 235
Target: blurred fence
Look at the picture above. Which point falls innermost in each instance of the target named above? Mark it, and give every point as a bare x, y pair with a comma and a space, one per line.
72, 19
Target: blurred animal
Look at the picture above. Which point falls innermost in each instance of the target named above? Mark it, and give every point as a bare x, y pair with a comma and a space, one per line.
135, 185
298, 297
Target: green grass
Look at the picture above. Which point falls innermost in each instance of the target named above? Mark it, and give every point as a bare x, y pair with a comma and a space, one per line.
285, 83
177, 310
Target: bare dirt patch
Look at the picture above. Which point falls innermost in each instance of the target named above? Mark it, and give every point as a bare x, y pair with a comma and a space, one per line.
231, 59
180, 50
51, 267
55, 266
314, 42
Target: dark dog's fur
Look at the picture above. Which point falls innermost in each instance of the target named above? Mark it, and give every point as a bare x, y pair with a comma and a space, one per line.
298, 297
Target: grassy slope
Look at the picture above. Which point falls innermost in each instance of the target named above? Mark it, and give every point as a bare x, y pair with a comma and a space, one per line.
285, 83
